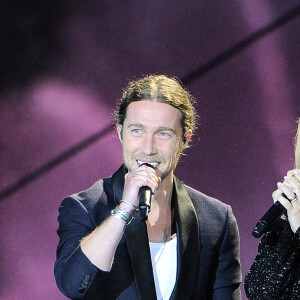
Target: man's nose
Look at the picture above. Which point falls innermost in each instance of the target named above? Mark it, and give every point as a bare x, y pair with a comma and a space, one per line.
149, 145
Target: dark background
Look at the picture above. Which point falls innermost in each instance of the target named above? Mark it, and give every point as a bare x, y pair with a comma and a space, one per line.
63, 65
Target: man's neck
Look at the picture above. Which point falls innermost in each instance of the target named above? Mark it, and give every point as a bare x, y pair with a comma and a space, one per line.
163, 195
160, 218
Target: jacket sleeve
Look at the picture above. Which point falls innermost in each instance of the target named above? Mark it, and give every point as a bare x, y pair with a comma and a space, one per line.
228, 275
273, 275
74, 273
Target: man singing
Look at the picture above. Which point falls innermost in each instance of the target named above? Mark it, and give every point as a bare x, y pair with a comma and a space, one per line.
185, 247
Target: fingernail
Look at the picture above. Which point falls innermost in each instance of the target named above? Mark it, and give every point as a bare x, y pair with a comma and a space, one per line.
285, 177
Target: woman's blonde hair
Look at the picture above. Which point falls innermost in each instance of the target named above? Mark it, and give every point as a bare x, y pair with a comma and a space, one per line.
297, 147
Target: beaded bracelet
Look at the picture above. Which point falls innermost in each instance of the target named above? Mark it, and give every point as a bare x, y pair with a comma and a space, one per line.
130, 204
122, 214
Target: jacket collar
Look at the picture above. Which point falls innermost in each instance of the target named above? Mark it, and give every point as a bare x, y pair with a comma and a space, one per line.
188, 243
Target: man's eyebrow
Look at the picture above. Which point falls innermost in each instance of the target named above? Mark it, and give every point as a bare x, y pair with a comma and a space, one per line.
162, 128
139, 125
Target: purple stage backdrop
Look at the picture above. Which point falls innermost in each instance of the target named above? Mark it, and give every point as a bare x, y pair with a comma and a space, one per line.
63, 66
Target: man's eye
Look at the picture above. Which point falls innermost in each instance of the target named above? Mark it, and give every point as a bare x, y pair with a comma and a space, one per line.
165, 134
136, 131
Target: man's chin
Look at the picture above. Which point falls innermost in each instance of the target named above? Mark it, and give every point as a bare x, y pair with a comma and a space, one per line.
163, 174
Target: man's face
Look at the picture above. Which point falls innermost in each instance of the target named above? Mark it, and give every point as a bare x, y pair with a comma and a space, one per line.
151, 133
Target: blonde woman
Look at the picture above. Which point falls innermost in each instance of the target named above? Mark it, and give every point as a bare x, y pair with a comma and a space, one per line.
275, 273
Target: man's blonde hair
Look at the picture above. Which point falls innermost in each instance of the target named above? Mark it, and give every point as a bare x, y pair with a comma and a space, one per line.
164, 89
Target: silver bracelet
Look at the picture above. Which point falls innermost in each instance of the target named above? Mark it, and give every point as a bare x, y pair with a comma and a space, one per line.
122, 214
130, 204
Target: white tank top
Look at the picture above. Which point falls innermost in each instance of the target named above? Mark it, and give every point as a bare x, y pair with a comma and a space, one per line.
164, 264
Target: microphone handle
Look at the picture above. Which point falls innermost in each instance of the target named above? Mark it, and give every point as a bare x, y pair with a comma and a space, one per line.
268, 219
145, 195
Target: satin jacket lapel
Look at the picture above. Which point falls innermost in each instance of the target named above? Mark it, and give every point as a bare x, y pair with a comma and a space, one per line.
137, 244
188, 244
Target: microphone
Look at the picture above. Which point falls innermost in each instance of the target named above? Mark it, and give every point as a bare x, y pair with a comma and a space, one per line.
145, 195
269, 218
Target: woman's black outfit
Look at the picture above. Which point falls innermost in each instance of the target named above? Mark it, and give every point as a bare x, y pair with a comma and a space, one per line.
275, 273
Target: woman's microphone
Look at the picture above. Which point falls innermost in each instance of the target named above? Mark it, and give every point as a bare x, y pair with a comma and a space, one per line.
269, 218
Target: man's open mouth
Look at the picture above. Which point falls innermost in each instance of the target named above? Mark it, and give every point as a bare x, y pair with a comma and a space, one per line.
154, 164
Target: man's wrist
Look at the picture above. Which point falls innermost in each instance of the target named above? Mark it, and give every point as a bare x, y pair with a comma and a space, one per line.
128, 206
122, 214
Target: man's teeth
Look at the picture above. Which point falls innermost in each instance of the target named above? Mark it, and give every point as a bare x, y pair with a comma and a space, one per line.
153, 164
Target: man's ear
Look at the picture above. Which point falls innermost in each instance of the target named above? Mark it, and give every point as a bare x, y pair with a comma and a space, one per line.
119, 128
188, 137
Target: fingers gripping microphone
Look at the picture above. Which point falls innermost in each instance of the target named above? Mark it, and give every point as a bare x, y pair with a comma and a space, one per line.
145, 195
269, 218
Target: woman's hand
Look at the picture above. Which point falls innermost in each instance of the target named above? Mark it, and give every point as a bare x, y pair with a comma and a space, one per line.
290, 187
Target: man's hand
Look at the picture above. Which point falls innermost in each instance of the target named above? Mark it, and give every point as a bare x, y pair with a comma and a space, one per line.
142, 176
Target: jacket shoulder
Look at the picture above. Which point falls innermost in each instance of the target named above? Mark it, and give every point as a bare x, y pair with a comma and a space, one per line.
98, 193
203, 201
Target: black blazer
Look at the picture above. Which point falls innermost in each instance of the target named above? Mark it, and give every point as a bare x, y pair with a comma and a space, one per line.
207, 247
